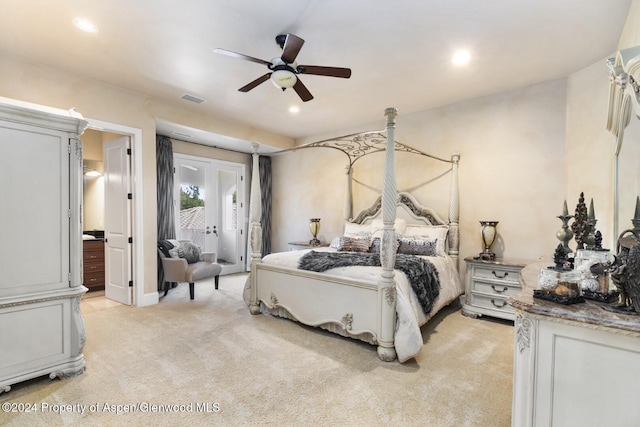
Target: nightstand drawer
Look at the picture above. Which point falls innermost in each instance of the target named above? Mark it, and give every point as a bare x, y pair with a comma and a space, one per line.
500, 273
488, 285
505, 288
490, 302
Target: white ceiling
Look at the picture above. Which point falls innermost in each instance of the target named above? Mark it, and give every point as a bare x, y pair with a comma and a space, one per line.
399, 51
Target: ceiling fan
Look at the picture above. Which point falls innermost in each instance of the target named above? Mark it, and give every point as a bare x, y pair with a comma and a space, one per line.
284, 70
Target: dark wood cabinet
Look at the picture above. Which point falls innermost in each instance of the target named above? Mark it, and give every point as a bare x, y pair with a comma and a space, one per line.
93, 264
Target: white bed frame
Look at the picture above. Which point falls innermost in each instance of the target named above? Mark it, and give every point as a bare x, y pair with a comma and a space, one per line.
349, 307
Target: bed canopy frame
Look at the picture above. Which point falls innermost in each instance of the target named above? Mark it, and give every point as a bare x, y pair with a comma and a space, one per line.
356, 146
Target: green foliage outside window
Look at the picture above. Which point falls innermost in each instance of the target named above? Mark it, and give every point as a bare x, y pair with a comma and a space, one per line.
190, 197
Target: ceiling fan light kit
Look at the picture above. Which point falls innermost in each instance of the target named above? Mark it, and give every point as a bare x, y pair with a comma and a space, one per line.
284, 70
283, 79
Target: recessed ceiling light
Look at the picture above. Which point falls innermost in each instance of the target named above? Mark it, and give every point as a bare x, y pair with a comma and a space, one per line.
461, 57
85, 25
294, 109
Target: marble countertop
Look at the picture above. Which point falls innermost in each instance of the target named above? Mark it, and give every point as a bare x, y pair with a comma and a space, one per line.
589, 312
500, 261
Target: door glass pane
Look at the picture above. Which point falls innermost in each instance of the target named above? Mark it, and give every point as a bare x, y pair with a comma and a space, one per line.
227, 194
191, 225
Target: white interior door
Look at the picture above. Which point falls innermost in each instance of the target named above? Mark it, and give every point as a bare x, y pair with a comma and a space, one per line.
209, 196
230, 218
117, 220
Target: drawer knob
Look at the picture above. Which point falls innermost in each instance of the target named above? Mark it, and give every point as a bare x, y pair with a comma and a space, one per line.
506, 273
498, 290
498, 306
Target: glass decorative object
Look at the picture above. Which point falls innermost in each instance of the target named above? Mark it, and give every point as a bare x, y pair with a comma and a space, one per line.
559, 286
594, 270
488, 237
314, 226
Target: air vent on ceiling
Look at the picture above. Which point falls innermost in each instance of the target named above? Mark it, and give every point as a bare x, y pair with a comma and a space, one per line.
192, 98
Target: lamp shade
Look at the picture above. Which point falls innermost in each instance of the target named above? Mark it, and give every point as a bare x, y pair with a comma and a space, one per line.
283, 79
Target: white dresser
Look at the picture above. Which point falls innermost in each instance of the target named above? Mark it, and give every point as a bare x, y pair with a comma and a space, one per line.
41, 328
487, 286
574, 365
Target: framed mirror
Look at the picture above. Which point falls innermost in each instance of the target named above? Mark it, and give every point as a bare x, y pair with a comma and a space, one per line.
627, 176
624, 122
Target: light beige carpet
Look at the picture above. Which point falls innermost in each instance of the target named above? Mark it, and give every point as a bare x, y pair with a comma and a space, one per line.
209, 362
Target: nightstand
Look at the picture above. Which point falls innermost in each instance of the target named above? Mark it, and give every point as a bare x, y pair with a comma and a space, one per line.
488, 284
298, 246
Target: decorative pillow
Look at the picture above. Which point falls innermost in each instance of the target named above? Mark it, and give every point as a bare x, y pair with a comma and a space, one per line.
438, 232
377, 227
352, 244
376, 244
189, 251
335, 243
165, 247
173, 252
417, 245
358, 231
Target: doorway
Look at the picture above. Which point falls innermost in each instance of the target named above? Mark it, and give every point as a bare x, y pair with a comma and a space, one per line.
210, 206
134, 271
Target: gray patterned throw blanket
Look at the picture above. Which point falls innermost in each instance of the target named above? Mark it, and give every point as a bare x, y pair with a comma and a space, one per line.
421, 273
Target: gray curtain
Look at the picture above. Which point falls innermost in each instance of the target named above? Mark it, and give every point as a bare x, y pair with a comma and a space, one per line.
164, 189
265, 219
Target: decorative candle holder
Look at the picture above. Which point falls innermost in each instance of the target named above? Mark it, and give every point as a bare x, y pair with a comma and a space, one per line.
565, 234
314, 226
488, 237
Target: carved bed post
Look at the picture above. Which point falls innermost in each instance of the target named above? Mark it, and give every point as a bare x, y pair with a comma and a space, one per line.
386, 349
255, 212
348, 205
454, 209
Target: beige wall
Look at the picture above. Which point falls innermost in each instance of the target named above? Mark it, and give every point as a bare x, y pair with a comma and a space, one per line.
93, 196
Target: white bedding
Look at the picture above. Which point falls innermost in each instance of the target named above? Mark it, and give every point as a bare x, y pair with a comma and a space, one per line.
410, 317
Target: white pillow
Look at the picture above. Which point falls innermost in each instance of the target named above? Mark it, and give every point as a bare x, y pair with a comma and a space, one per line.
358, 231
377, 227
432, 232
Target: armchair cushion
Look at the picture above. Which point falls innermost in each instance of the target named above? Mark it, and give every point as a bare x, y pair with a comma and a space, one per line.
201, 270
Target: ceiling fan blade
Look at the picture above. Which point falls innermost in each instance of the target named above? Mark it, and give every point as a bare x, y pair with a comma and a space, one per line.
291, 48
344, 73
241, 56
255, 83
302, 91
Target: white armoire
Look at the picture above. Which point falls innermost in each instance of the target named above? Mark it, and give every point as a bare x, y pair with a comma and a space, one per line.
41, 328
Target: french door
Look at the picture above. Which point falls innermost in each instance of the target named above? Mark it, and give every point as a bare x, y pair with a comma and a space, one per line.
210, 206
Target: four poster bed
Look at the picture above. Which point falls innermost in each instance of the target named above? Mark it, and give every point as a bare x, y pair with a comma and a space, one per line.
370, 301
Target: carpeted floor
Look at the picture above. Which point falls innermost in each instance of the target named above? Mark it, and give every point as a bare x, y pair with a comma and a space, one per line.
209, 362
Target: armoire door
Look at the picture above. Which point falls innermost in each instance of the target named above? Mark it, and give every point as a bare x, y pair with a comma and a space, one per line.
34, 255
